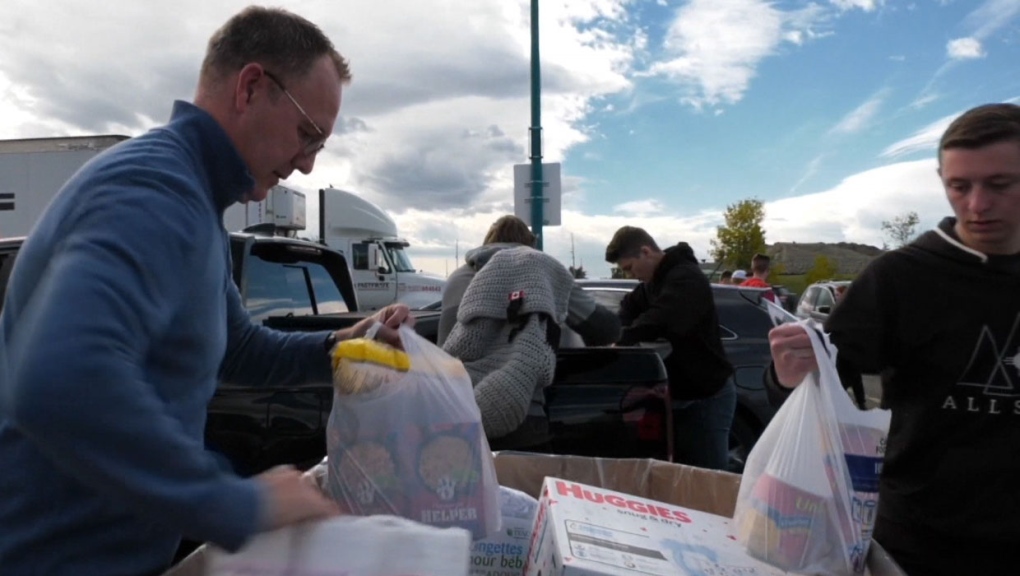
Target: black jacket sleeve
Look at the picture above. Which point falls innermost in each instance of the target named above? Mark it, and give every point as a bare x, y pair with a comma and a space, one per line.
676, 309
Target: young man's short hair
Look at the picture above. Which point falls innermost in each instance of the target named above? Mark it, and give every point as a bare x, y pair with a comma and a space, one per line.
760, 263
627, 243
981, 126
509, 229
726, 275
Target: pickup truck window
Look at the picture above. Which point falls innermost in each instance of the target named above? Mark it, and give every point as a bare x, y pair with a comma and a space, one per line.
301, 288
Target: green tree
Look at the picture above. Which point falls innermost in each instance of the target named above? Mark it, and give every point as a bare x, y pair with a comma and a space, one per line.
901, 229
824, 269
742, 236
615, 272
578, 272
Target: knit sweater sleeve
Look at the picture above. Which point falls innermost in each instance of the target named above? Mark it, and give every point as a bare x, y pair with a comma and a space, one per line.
456, 285
505, 393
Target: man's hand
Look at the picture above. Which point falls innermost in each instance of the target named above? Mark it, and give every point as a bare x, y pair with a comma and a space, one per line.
391, 317
290, 499
792, 354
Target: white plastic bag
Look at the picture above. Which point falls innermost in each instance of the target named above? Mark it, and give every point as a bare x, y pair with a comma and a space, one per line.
349, 546
809, 493
414, 446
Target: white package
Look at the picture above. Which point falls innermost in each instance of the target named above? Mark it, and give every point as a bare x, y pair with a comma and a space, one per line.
349, 546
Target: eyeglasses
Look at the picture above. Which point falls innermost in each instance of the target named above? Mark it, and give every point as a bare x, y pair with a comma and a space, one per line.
312, 144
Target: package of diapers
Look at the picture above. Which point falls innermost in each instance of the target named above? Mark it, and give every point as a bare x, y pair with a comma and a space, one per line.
505, 553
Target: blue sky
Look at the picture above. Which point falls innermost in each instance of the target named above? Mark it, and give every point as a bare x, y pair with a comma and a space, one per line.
661, 112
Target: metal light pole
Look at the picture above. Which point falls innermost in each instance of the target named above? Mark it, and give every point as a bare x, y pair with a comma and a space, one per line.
535, 132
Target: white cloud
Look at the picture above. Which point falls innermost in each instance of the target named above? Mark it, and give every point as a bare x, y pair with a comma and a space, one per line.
964, 49
851, 211
866, 5
860, 118
991, 16
640, 207
713, 47
923, 100
925, 139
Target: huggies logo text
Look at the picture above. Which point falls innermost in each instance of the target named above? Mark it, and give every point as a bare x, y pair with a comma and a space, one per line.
568, 489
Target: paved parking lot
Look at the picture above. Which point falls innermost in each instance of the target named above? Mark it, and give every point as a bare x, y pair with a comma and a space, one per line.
872, 390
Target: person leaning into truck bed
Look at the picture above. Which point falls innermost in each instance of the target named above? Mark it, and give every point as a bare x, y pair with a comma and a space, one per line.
595, 324
507, 332
121, 316
674, 302
507, 344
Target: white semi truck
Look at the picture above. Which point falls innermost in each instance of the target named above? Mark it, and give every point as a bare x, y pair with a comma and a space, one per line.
363, 232
32, 170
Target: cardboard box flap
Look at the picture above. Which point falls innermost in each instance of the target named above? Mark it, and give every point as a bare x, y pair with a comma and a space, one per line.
704, 490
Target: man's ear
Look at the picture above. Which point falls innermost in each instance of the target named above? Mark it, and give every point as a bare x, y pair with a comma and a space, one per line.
246, 86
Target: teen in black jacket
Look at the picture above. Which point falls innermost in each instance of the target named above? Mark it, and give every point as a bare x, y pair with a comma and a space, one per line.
674, 303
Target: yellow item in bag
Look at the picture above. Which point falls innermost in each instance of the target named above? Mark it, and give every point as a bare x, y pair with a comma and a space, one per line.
362, 364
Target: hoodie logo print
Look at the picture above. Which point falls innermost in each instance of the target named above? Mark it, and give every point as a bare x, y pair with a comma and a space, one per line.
994, 368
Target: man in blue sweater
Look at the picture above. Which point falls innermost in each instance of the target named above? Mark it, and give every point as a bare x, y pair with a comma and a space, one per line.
121, 316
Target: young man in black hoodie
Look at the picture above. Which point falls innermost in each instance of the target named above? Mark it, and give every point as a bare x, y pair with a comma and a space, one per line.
674, 302
949, 358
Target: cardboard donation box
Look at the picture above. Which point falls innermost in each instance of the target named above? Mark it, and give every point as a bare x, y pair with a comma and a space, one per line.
587, 531
675, 485
639, 512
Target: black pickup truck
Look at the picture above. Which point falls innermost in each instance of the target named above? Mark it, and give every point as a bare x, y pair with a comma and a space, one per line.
608, 402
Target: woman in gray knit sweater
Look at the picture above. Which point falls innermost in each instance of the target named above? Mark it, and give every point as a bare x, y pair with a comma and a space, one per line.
510, 363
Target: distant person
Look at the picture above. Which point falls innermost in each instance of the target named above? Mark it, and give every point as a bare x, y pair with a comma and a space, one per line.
738, 277
726, 277
674, 302
840, 293
121, 317
760, 275
947, 355
507, 332
595, 324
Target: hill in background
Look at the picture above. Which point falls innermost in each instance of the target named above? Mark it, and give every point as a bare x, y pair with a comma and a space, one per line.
798, 258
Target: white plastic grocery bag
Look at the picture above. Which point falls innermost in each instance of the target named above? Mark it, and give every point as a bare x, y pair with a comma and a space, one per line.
349, 546
809, 493
414, 446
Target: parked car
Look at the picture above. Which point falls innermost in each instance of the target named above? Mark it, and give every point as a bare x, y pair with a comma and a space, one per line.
787, 298
819, 299
744, 326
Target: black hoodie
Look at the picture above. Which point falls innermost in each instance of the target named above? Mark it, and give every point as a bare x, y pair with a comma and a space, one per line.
677, 305
941, 323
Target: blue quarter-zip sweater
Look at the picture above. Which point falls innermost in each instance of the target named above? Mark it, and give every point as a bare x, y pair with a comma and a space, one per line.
119, 319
